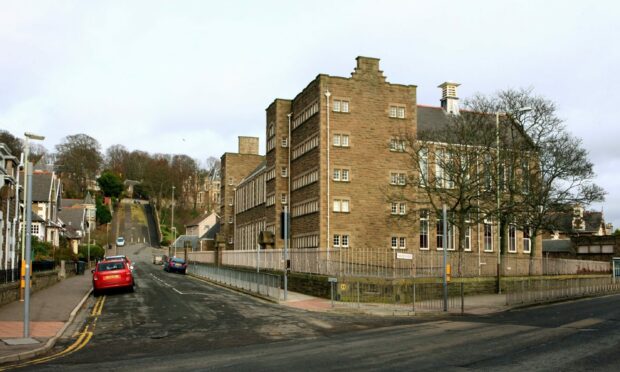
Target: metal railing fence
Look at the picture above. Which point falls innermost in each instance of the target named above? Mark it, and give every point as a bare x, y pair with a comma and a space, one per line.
394, 264
261, 283
541, 290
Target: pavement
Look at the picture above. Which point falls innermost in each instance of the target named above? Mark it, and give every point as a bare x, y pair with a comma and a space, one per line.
51, 311
472, 305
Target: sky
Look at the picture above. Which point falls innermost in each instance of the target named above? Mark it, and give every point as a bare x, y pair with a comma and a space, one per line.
189, 77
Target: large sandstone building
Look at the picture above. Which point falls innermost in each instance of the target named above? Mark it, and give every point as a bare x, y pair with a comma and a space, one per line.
331, 154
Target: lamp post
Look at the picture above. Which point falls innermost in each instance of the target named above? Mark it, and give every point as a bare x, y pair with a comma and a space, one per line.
28, 228
174, 231
497, 192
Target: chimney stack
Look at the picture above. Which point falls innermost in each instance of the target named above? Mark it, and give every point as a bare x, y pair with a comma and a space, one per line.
449, 100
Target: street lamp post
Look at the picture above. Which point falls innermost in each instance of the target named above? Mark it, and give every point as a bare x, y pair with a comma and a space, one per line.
28, 228
174, 231
497, 192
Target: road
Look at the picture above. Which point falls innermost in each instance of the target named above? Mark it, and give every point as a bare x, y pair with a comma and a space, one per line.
175, 322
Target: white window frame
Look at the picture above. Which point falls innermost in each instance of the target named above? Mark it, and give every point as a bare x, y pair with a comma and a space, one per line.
402, 242
284, 142
512, 238
394, 242
424, 229
283, 198
344, 140
527, 240
284, 171
336, 241
336, 140
487, 240
345, 241
344, 175
336, 174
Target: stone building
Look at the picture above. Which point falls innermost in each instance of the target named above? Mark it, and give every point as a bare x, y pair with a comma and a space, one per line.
331, 153
234, 168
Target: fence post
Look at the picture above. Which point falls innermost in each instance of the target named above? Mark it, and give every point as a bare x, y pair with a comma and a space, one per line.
358, 294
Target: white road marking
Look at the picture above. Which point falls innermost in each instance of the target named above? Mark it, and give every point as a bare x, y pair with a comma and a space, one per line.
174, 289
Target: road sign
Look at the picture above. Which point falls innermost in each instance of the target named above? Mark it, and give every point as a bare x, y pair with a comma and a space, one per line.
404, 256
332, 280
343, 287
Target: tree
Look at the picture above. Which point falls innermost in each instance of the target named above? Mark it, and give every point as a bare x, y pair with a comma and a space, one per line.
102, 213
110, 184
541, 168
79, 158
555, 170
116, 158
13, 143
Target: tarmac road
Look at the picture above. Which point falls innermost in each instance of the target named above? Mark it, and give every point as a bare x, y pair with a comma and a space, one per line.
170, 316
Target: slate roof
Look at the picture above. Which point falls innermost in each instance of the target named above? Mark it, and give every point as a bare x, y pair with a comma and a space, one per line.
557, 245
197, 220
41, 187
70, 203
36, 218
564, 222
73, 217
210, 234
180, 242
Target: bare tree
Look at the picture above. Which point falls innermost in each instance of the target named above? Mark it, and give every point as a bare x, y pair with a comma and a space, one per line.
555, 172
79, 157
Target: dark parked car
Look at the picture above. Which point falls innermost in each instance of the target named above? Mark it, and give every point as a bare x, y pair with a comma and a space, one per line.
175, 264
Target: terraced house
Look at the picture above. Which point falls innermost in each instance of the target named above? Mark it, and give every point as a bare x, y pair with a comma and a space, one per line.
333, 154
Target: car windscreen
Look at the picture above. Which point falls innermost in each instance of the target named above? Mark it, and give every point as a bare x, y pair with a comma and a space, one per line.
109, 266
178, 260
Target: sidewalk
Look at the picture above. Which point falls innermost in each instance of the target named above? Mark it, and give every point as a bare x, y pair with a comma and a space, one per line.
473, 305
50, 310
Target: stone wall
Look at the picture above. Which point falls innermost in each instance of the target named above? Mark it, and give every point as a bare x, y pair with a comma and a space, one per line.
10, 292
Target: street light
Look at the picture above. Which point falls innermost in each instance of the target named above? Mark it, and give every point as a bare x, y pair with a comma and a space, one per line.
26, 261
497, 193
174, 231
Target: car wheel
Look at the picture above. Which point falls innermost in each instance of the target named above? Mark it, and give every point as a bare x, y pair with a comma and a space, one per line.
96, 293
131, 289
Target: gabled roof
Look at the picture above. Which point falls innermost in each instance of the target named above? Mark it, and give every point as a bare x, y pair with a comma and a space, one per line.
37, 218
73, 217
70, 203
210, 234
41, 186
180, 242
89, 199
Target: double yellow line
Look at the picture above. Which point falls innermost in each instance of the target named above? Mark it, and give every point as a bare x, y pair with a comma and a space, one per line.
98, 307
82, 340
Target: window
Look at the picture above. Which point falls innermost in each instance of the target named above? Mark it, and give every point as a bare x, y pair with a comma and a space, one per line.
230, 240
341, 205
271, 130
230, 201
468, 238
341, 140
424, 229
439, 232
230, 219
340, 106
488, 237
423, 163
398, 242
284, 172
399, 208
284, 142
488, 180
345, 241
512, 239
283, 198
527, 244
397, 112
398, 178
397, 145
341, 175
442, 178
34, 229
526, 176
341, 240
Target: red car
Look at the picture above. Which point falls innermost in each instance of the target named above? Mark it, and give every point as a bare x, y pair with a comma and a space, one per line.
110, 274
